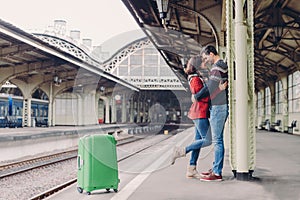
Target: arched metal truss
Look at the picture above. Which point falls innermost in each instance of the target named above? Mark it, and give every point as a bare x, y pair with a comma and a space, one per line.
122, 54
68, 47
146, 82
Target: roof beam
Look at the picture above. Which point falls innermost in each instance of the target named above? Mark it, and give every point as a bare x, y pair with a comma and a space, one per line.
15, 49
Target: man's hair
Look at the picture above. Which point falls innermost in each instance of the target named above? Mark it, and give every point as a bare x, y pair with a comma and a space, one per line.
209, 49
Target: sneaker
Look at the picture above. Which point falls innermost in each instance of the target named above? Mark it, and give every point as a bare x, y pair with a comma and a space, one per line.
211, 177
206, 173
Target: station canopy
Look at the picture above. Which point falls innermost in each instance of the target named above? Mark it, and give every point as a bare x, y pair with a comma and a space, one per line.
188, 25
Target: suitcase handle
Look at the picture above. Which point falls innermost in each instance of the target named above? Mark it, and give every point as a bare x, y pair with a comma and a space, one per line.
79, 162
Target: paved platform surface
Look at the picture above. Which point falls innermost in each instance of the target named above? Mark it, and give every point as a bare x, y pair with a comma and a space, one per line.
277, 174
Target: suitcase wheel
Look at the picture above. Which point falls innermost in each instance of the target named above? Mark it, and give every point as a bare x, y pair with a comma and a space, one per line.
88, 193
116, 190
107, 189
79, 189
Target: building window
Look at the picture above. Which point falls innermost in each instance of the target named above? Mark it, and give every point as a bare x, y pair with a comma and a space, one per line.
136, 60
278, 97
294, 92
151, 60
146, 68
259, 104
136, 71
268, 101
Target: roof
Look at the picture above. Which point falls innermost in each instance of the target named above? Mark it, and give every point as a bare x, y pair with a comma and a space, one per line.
193, 24
23, 56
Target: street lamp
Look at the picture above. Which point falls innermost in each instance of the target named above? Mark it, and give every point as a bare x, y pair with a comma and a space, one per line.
183, 62
102, 89
166, 20
163, 6
278, 23
57, 81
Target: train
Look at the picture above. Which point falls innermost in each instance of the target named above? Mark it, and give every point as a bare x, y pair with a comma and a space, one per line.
11, 110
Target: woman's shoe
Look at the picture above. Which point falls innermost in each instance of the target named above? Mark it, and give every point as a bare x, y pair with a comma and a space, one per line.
192, 172
177, 153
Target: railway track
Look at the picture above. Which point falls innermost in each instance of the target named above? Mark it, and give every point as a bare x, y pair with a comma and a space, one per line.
72, 181
44, 175
18, 167
33, 163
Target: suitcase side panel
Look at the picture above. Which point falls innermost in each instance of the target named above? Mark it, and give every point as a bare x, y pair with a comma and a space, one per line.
105, 166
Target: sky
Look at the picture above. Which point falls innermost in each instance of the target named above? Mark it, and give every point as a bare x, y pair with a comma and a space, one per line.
98, 20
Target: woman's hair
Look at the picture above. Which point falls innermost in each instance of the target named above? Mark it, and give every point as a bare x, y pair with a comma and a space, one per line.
193, 63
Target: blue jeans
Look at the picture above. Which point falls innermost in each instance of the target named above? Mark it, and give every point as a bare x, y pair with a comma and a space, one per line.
218, 117
202, 139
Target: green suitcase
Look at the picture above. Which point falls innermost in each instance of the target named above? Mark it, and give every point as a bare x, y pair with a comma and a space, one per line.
97, 163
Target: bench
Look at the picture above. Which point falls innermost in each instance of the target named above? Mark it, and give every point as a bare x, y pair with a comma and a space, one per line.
290, 128
275, 125
264, 124
40, 121
12, 122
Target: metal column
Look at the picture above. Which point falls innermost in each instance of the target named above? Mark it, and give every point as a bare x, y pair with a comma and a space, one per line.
241, 97
50, 106
241, 91
107, 110
124, 108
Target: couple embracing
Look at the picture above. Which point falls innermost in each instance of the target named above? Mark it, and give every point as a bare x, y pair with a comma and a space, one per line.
209, 112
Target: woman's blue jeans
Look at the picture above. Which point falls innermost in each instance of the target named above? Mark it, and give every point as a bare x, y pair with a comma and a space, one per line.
202, 139
218, 117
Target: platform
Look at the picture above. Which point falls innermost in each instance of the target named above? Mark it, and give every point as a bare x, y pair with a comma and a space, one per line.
277, 174
7, 134
21, 143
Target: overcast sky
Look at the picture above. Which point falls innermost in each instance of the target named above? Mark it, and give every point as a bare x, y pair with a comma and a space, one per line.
98, 20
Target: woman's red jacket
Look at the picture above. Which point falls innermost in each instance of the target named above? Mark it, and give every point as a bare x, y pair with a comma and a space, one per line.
199, 109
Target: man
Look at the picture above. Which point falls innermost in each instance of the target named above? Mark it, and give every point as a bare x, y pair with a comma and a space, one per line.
218, 110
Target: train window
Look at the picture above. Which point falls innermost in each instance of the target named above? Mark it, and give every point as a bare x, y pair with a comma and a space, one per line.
19, 111
40, 94
39, 109
46, 112
2, 111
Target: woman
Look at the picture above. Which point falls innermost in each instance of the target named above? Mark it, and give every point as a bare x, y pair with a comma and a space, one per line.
199, 113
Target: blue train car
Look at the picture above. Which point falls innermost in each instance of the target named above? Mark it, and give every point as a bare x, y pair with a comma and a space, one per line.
11, 111
39, 112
